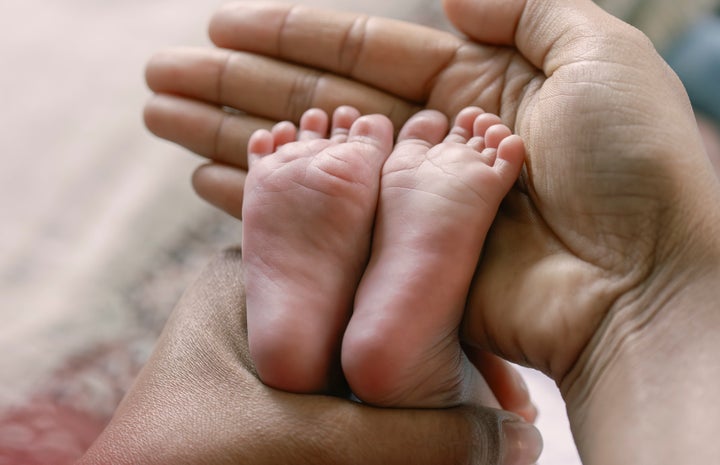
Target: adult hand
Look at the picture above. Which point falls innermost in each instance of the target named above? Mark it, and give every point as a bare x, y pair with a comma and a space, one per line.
587, 225
612, 235
211, 100
277, 60
199, 401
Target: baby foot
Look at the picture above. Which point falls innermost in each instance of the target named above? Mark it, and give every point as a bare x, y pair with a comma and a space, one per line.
307, 222
437, 202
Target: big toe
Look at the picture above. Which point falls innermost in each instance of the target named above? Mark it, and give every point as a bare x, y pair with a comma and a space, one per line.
429, 126
373, 130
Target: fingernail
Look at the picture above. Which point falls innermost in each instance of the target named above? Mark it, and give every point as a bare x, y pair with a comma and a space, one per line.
522, 443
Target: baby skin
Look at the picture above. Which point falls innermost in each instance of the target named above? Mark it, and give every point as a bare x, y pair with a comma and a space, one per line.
359, 254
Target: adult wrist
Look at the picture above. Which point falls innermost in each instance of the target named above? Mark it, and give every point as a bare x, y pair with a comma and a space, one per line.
641, 389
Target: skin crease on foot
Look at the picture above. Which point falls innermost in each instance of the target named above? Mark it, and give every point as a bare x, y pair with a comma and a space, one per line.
439, 194
595, 260
308, 218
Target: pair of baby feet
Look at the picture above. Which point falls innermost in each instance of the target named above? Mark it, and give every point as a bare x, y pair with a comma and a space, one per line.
359, 253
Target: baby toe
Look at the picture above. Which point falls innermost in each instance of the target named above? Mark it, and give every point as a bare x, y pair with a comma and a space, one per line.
342, 119
376, 130
495, 135
484, 122
313, 125
428, 126
261, 143
284, 133
462, 129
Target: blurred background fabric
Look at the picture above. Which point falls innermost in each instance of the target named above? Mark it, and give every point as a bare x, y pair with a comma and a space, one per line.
662, 20
101, 231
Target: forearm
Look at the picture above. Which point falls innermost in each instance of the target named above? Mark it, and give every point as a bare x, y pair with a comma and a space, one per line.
648, 390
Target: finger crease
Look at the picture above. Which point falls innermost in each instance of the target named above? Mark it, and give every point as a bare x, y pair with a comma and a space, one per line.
353, 45
218, 135
281, 30
520, 18
432, 80
302, 93
503, 84
222, 78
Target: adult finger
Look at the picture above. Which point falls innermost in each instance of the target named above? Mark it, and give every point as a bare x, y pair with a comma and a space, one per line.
549, 33
241, 81
203, 128
398, 57
505, 381
221, 186
198, 401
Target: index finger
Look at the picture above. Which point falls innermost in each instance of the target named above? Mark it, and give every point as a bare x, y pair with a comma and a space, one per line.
398, 57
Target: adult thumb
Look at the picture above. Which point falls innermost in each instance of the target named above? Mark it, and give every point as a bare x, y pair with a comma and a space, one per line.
548, 33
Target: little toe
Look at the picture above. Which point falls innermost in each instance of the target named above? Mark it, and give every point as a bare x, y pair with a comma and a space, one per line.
342, 119
284, 133
462, 129
313, 125
483, 122
495, 134
261, 143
